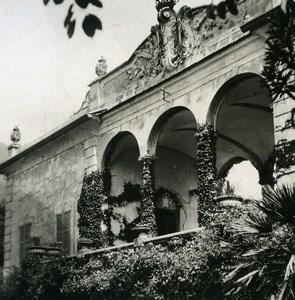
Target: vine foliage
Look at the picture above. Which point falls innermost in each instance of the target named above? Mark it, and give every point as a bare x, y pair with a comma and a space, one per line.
147, 214
279, 69
90, 208
284, 152
206, 170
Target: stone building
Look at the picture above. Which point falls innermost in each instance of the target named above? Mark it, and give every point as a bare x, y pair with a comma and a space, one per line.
3, 156
191, 70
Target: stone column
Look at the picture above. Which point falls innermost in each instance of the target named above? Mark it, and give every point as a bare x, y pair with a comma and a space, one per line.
147, 215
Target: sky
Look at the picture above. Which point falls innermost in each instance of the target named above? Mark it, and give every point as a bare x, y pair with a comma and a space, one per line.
44, 75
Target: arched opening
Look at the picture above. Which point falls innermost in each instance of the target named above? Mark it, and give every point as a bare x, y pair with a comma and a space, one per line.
172, 138
242, 116
124, 169
241, 179
121, 161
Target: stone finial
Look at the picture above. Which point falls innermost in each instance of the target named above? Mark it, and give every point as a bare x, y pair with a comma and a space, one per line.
101, 67
15, 136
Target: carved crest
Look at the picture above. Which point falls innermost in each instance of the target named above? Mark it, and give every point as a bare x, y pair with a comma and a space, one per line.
181, 35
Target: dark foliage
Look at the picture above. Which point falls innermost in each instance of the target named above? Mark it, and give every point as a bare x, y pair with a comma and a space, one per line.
90, 209
206, 170
90, 23
279, 69
266, 266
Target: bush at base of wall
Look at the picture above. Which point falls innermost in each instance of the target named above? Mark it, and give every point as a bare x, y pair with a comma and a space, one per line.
183, 269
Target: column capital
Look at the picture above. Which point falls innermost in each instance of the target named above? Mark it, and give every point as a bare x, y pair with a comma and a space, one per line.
147, 157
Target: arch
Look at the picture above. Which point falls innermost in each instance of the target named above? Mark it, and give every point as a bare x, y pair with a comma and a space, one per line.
223, 171
111, 145
241, 115
160, 123
172, 140
221, 94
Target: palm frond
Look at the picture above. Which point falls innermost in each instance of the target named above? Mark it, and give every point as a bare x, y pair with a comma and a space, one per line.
278, 204
248, 277
254, 252
254, 223
290, 269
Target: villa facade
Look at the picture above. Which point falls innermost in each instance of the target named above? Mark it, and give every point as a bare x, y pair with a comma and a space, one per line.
191, 70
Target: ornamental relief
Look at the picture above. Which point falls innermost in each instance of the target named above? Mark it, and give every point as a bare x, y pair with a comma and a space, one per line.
182, 35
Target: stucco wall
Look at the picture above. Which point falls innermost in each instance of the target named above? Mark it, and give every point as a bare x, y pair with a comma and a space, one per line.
45, 183
177, 172
45, 190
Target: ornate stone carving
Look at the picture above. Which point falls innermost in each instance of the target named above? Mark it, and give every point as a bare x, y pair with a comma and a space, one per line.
148, 57
171, 44
101, 67
190, 26
179, 36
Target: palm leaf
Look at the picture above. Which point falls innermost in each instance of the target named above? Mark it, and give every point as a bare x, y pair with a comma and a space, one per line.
278, 204
258, 223
290, 270
247, 277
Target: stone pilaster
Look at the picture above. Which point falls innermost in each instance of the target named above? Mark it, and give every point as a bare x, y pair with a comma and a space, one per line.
7, 227
147, 215
91, 155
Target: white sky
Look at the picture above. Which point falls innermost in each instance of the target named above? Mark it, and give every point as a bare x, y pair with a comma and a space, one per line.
44, 75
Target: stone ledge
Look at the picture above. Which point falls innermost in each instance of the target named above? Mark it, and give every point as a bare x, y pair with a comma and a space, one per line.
156, 240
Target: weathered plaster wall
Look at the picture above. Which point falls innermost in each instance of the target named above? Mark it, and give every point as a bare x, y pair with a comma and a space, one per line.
125, 168
45, 183
177, 172
44, 191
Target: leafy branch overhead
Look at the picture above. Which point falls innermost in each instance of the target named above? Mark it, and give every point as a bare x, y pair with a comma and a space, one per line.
279, 69
90, 23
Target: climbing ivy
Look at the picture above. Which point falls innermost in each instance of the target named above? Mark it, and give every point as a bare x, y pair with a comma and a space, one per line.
284, 153
147, 216
90, 208
131, 193
206, 170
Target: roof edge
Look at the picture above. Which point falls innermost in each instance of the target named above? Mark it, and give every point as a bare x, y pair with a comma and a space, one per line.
41, 141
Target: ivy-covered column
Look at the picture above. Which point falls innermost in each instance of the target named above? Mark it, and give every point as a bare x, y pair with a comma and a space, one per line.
206, 171
147, 214
91, 206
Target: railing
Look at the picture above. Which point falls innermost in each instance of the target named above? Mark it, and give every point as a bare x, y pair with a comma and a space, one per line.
155, 240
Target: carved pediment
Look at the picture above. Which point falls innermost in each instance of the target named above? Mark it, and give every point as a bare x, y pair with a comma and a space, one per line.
178, 41
182, 35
